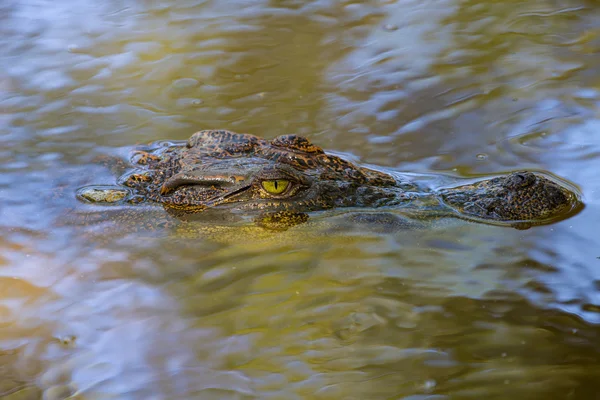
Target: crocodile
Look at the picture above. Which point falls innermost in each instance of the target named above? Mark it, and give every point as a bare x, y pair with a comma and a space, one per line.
283, 179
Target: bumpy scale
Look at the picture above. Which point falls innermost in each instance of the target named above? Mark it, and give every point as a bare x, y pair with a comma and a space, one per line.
286, 177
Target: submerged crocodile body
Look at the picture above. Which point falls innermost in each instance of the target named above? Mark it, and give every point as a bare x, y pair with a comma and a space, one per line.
282, 179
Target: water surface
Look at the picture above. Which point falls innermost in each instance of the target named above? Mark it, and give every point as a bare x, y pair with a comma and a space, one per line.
93, 309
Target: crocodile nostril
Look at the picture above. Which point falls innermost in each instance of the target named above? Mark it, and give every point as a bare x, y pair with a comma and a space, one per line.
520, 180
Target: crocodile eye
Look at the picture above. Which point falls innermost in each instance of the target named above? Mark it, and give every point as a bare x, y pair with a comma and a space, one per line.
275, 186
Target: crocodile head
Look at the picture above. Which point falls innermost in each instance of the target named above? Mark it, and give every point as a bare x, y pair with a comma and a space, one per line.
288, 176
521, 199
226, 170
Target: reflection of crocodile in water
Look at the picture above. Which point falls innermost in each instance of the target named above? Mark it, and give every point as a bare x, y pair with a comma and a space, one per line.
284, 178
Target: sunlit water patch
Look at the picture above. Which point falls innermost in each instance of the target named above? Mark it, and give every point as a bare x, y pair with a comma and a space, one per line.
93, 307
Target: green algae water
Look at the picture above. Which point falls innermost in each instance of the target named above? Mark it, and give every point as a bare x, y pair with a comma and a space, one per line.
97, 306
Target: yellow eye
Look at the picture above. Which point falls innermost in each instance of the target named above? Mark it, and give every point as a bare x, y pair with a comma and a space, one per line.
276, 186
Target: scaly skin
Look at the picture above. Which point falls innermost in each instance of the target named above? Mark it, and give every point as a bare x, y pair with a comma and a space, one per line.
222, 170
521, 196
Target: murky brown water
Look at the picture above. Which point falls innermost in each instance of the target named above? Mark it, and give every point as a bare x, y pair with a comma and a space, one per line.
460, 312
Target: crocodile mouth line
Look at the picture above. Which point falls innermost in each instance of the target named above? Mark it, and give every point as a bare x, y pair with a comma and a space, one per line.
221, 199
